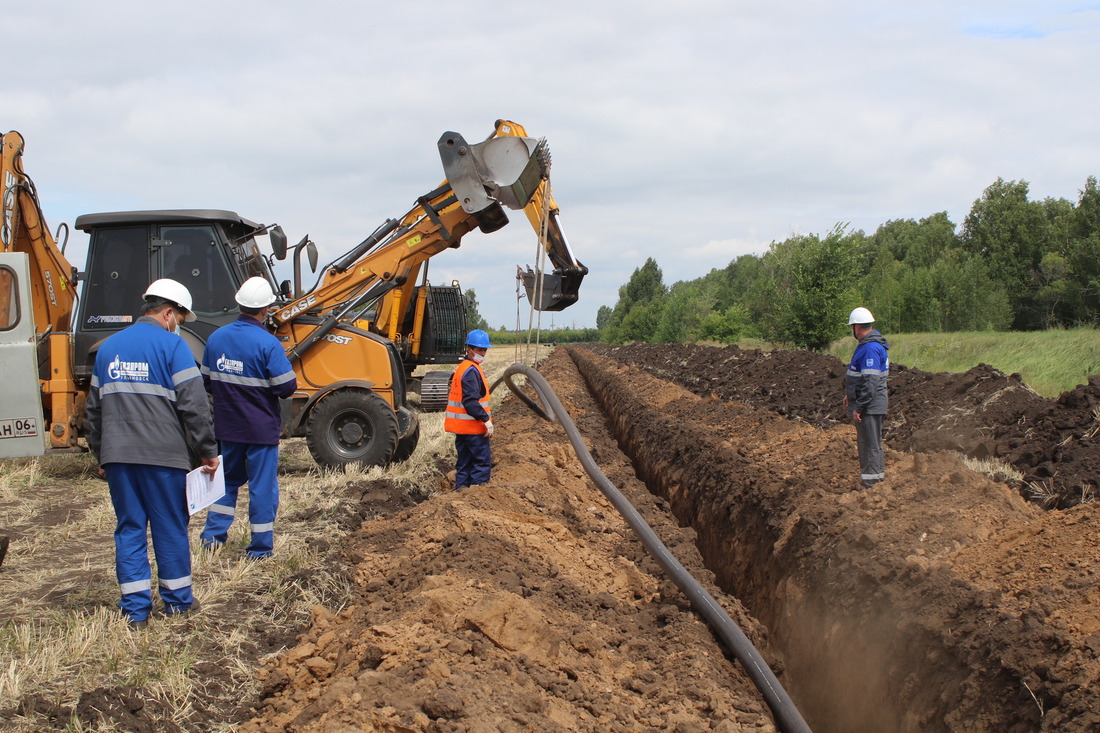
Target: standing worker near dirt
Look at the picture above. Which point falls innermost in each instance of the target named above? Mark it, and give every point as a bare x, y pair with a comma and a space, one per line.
146, 396
865, 396
469, 414
247, 371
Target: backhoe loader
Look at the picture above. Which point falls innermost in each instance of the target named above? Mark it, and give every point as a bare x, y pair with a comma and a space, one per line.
353, 338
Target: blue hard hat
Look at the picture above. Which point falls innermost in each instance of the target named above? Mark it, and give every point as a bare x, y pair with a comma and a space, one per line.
478, 338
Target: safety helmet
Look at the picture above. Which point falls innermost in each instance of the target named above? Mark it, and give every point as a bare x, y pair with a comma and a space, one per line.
478, 338
174, 292
255, 293
860, 316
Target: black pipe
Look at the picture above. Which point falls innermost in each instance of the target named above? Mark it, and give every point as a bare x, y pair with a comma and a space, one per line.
786, 714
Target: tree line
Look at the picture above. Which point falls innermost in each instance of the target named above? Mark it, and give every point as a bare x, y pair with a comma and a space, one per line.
1013, 264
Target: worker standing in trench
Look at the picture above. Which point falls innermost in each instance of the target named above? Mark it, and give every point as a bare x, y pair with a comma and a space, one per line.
469, 414
865, 397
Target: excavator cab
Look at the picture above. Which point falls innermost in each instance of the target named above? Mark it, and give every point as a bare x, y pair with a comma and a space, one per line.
210, 251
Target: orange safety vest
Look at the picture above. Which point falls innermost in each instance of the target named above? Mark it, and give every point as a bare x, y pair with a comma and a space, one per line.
457, 420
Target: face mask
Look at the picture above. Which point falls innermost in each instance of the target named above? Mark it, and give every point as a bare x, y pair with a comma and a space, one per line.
477, 358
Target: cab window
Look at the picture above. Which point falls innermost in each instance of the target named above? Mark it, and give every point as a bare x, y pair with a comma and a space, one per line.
118, 273
195, 259
9, 300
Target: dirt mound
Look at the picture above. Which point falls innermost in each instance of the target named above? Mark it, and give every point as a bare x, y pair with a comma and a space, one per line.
526, 604
928, 603
940, 600
982, 413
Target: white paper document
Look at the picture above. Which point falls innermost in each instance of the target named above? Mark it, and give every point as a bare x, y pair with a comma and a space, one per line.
202, 491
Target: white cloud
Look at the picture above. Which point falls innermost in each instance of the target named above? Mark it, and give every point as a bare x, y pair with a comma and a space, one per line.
689, 133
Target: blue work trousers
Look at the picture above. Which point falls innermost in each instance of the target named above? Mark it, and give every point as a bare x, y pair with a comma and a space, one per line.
153, 497
257, 465
474, 462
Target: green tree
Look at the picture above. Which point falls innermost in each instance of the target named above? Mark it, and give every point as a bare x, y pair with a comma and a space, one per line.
473, 317
642, 293
681, 312
1011, 234
1082, 255
729, 326
603, 316
807, 289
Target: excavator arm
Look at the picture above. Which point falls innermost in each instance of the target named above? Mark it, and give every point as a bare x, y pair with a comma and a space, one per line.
52, 294
507, 169
24, 230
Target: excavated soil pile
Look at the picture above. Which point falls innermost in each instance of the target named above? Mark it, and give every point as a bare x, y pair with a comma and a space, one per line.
982, 413
939, 600
525, 604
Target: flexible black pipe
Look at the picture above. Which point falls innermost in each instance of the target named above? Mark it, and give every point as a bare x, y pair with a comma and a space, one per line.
786, 714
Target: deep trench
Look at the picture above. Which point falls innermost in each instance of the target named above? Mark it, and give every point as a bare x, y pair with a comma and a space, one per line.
848, 663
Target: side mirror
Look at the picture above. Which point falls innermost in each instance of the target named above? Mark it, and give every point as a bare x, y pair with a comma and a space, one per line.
278, 242
311, 255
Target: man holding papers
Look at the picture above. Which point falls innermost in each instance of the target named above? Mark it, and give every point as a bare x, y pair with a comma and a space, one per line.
145, 391
247, 371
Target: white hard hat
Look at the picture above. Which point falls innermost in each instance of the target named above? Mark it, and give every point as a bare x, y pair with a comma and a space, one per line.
860, 316
255, 293
174, 292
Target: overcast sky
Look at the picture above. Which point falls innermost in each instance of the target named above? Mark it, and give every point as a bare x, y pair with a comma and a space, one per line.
692, 131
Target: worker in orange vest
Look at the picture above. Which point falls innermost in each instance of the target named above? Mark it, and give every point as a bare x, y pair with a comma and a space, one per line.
469, 414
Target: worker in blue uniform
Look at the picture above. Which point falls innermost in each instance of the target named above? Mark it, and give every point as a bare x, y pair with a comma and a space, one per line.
865, 394
247, 371
146, 391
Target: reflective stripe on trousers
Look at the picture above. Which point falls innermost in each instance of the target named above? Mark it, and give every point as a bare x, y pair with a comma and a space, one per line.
256, 465
872, 466
150, 496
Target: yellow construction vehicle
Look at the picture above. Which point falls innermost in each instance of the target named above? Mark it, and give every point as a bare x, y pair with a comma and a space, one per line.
354, 338
36, 305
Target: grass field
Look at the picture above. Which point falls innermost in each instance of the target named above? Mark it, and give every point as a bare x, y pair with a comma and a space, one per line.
1050, 362
61, 634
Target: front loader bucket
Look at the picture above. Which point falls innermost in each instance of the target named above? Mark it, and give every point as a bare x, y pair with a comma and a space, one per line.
554, 291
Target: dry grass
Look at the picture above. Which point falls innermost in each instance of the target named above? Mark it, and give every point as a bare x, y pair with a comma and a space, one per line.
996, 470
61, 634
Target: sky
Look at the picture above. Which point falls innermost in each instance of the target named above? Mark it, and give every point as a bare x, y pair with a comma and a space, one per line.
691, 132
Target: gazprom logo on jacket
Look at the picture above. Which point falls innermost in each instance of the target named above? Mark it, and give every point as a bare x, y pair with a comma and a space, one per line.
229, 365
133, 371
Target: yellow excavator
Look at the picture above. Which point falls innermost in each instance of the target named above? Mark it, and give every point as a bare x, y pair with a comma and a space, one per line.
354, 338
37, 296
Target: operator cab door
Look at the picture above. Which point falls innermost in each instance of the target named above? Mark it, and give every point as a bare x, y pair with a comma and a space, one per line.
21, 425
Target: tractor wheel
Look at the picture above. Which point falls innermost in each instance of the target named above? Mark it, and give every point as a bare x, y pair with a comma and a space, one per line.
352, 426
407, 445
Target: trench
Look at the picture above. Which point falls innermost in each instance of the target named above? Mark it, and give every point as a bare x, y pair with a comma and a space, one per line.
857, 649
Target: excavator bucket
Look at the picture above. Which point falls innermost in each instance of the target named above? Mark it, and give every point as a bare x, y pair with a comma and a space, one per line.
504, 170
551, 291
508, 170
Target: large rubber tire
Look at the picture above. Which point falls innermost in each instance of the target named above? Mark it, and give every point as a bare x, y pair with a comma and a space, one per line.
352, 426
407, 445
